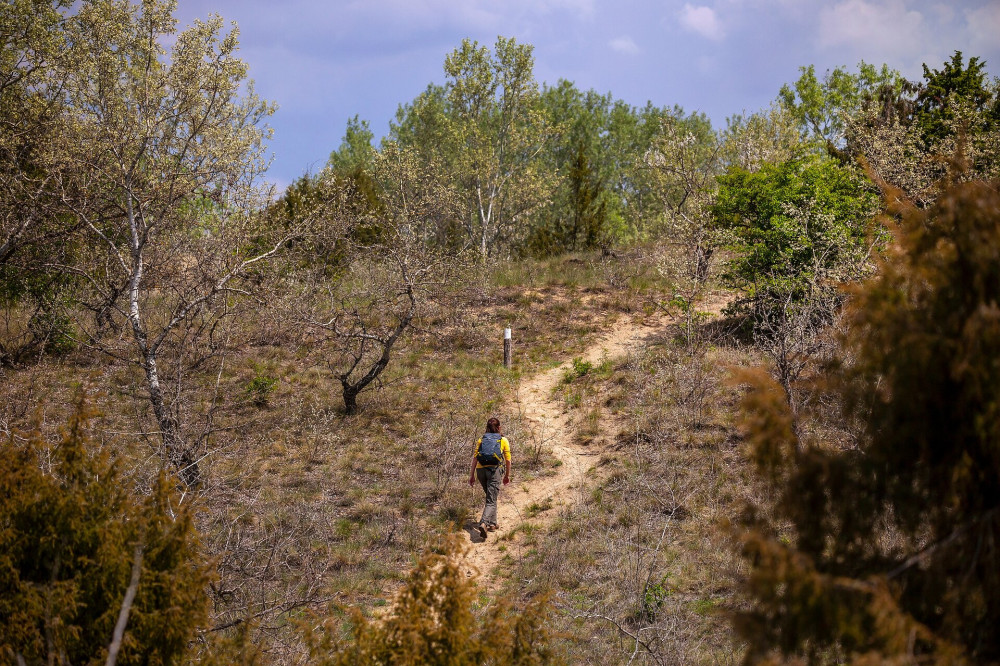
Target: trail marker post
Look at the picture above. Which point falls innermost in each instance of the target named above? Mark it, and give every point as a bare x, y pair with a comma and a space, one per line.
506, 348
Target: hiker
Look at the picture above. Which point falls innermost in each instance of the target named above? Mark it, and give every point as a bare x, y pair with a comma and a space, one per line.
492, 455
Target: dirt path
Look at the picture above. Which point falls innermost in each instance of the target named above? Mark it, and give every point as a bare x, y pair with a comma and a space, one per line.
549, 421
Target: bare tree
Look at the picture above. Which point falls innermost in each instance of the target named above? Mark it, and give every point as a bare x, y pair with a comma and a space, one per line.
369, 317
683, 166
367, 309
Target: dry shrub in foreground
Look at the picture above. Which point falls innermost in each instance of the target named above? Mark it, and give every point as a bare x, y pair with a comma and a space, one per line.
432, 622
88, 572
892, 545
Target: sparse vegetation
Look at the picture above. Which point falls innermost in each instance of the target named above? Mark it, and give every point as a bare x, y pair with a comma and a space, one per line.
312, 370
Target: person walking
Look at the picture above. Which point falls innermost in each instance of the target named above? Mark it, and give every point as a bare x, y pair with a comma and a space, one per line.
492, 457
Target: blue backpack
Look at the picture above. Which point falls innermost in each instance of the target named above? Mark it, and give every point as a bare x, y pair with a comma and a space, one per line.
490, 453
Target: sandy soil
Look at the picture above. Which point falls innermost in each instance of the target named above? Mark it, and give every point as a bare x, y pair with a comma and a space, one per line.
549, 421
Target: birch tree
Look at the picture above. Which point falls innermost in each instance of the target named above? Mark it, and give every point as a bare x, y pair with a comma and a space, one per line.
496, 132
166, 153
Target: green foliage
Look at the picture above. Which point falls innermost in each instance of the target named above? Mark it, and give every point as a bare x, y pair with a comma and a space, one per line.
581, 209
794, 227
432, 622
41, 300
54, 329
605, 194
422, 123
892, 520
770, 135
654, 597
483, 131
338, 208
582, 221
579, 369
909, 135
34, 229
355, 151
69, 536
259, 388
822, 107
943, 90
536, 172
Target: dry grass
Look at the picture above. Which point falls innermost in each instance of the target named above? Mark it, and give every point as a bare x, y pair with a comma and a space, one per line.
643, 566
301, 505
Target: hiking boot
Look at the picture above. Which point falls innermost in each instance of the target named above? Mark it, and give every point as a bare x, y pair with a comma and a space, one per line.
493, 528
482, 530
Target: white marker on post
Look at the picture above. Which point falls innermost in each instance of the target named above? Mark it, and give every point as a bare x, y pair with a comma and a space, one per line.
506, 348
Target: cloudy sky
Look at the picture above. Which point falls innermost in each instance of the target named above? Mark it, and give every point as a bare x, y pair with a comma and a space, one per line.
323, 61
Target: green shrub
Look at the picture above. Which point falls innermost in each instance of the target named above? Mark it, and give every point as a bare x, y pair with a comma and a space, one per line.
259, 388
654, 597
579, 369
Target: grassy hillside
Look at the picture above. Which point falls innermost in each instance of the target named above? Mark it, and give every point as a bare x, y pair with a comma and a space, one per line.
641, 565
304, 508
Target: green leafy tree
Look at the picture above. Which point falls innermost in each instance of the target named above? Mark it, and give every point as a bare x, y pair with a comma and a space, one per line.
422, 123
793, 226
90, 573
356, 149
578, 211
769, 136
798, 231
605, 192
631, 134
32, 42
909, 138
485, 131
588, 203
822, 107
34, 229
882, 541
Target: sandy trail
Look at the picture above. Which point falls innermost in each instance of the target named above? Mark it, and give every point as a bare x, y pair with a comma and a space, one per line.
548, 420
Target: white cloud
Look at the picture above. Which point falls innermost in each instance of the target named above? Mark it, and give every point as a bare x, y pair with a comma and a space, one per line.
701, 20
624, 44
984, 27
859, 23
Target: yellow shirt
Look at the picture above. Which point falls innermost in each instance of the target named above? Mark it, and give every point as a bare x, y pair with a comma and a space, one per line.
504, 449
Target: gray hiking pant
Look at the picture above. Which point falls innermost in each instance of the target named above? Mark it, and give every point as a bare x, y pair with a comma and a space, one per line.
490, 478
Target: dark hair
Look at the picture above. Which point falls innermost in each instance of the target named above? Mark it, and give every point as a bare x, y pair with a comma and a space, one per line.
493, 425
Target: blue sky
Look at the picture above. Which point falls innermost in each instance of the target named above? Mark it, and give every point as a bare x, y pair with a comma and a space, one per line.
325, 61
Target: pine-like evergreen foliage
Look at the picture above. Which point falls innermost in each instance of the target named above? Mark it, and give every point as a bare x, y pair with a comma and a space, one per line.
942, 89
432, 623
884, 543
70, 535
